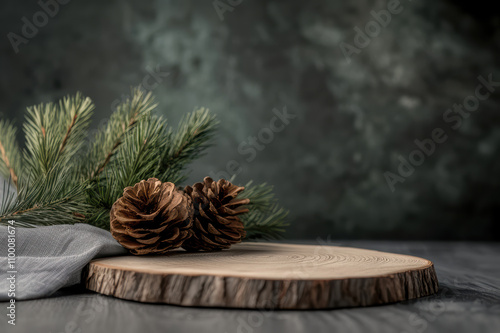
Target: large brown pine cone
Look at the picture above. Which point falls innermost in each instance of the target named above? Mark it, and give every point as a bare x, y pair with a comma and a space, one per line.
151, 217
216, 223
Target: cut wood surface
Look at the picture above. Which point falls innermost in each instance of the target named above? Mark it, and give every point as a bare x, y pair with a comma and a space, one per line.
265, 276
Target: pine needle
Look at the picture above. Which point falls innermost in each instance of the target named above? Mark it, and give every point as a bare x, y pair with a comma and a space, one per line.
10, 156
137, 158
189, 142
268, 224
265, 219
121, 122
261, 196
52, 201
55, 133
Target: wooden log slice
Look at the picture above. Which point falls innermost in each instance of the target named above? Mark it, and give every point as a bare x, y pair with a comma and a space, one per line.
265, 276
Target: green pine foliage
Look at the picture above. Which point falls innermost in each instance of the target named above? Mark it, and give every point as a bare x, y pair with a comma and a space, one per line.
61, 177
52, 199
265, 219
10, 156
137, 159
109, 138
54, 136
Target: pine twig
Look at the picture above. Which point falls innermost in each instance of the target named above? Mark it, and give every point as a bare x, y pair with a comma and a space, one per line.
53, 200
55, 132
67, 135
122, 121
5, 159
9, 147
136, 159
107, 159
118, 142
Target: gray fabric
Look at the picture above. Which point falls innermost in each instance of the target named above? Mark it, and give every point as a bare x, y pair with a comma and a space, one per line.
52, 257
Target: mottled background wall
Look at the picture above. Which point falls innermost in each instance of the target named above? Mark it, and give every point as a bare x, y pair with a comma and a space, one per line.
354, 117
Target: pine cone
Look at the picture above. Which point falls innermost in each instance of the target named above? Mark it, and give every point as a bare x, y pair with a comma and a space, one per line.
216, 223
151, 217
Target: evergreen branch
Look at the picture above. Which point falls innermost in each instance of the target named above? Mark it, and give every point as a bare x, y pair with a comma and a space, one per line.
192, 137
52, 201
136, 159
52, 194
10, 157
265, 225
265, 219
55, 132
99, 218
123, 119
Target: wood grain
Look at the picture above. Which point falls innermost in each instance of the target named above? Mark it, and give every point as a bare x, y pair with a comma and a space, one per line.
265, 276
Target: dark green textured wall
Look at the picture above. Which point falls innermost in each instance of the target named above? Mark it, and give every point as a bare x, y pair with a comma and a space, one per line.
351, 120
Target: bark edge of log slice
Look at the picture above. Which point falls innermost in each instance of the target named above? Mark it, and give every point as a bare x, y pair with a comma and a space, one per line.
265, 276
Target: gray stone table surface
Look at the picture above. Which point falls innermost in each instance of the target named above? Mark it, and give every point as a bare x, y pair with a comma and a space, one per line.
468, 301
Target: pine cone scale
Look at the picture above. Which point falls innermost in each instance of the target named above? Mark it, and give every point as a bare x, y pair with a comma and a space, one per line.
238, 202
148, 241
213, 230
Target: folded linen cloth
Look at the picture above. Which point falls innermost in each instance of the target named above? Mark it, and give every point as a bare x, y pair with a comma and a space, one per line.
48, 258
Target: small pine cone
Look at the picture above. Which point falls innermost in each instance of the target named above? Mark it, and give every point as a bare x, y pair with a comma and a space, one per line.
151, 217
216, 224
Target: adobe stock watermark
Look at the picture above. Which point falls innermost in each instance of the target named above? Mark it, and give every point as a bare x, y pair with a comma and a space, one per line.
257, 143
372, 29
222, 6
454, 118
30, 28
11, 271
